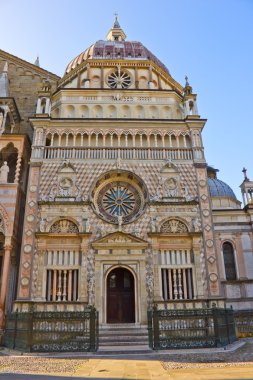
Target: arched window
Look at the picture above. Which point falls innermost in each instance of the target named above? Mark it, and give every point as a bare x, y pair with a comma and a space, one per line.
229, 261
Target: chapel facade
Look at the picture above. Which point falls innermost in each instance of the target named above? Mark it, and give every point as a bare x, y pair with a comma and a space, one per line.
122, 211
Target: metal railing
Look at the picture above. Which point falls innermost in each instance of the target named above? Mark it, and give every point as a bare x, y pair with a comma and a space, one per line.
244, 323
190, 328
52, 331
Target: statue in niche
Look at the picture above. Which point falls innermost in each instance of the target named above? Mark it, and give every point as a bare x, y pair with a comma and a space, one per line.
196, 224
4, 170
86, 224
43, 225
153, 224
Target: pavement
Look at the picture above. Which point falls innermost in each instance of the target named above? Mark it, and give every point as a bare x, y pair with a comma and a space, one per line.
236, 362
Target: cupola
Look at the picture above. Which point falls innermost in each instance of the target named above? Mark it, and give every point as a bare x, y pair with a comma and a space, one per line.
116, 33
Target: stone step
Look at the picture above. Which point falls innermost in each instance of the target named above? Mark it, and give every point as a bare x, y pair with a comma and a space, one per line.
123, 343
121, 338
128, 350
123, 333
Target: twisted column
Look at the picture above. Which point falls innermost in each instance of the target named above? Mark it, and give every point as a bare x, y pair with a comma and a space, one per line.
18, 167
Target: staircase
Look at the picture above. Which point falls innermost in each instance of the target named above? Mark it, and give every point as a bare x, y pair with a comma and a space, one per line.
123, 339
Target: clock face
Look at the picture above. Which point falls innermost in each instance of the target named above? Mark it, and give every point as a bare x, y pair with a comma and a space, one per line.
119, 197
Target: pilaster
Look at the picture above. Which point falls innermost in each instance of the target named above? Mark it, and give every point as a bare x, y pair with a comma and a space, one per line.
28, 243
211, 263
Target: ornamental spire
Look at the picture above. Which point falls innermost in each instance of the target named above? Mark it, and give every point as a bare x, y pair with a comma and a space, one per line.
244, 170
116, 24
116, 33
37, 61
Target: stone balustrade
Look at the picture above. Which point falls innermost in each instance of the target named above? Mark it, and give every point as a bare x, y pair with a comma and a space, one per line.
111, 153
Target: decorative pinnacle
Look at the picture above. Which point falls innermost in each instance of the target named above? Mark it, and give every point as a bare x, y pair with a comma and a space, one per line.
116, 22
245, 174
37, 61
186, 81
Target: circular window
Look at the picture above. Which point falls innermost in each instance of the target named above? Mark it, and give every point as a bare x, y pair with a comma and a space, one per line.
119, 195
119, 79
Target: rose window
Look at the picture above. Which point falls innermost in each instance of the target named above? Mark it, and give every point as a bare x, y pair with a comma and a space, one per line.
119, 79
119, 195
118, 200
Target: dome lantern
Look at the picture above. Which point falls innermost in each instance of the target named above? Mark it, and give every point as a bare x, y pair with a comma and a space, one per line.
116, 33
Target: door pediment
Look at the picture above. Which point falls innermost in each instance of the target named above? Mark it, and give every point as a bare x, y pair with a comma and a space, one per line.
119, 239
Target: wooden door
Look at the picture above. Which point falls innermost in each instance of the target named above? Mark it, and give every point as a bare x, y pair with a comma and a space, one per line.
120, 296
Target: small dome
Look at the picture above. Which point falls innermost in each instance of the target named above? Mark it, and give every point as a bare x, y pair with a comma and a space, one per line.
219, 188
116, 50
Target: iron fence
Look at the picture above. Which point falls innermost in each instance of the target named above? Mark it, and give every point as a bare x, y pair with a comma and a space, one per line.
52, 331
244, 323
190, 328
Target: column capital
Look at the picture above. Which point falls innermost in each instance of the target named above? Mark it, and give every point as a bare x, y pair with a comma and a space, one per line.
8, 247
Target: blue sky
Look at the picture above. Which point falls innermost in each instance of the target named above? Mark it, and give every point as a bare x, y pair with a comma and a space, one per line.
209, 40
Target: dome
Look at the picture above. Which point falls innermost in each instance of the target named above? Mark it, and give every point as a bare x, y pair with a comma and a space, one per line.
116, 48
120, 50
219, 188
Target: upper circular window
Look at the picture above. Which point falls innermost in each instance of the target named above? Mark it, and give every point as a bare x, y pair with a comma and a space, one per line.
119, 195
119, 79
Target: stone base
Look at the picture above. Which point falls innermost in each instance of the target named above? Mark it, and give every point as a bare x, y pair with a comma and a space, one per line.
25, 306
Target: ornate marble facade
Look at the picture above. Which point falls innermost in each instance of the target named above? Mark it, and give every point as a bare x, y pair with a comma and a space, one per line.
118, 179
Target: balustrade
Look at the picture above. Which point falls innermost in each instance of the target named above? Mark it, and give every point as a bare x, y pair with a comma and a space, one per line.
177, 284
62, 285
112, 153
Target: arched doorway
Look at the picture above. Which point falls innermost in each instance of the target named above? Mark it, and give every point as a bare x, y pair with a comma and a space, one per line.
120, 296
